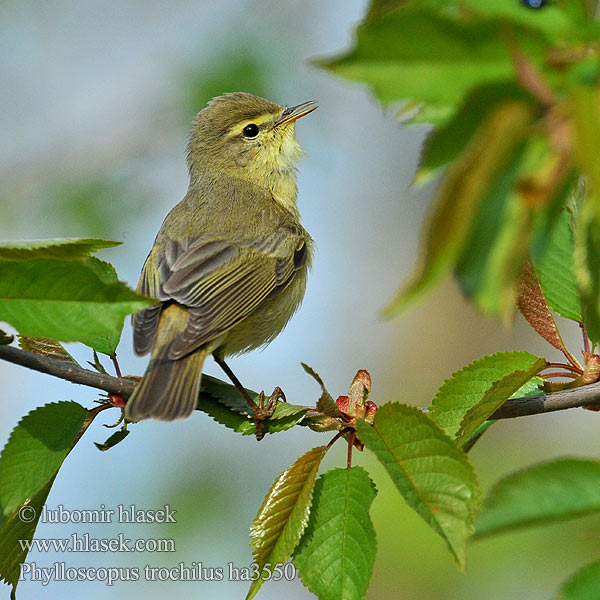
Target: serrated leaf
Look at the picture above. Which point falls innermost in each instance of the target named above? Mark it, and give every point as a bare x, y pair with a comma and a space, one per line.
28, 466
63, 300
420, 54
553, 491
116, 438
285, 416
285, 410
465, 185
35, 450
532, 305
238, 422
468, 387
339, 540
555, 268
45, 347
226, 394
495, 397
63, 249
582, 585
430, 471
18, 527
283, 515
326, 404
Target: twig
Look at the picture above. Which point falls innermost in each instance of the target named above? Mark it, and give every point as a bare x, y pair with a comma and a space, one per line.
588, 395
115, 362
68, 371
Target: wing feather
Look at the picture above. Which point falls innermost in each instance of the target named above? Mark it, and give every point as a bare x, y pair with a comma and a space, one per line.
220, 281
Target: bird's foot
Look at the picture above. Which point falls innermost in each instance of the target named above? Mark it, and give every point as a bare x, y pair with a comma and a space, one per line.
264, 410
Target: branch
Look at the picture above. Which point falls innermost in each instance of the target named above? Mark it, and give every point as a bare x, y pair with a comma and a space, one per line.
588, 395
68, 371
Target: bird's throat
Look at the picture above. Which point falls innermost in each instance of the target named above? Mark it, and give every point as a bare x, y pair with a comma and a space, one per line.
284, 190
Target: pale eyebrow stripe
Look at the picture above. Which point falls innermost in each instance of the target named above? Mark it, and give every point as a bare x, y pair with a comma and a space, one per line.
237, 127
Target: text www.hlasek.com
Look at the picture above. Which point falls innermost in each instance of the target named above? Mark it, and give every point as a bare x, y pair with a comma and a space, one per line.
85, 543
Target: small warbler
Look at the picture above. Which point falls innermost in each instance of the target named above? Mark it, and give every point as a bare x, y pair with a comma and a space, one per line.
229, 263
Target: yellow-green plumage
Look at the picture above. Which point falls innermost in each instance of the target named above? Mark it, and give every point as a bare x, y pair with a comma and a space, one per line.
229, 263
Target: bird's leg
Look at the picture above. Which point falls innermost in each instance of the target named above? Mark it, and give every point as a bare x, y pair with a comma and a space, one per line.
264, 408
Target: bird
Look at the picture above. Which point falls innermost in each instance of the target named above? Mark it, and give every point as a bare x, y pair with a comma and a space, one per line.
229, 264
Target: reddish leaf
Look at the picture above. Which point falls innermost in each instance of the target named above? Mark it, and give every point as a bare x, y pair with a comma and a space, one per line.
532, 305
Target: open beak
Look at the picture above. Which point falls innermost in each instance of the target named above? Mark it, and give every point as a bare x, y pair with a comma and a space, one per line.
293, 113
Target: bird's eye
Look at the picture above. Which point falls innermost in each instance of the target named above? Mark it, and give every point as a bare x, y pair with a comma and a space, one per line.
250, 131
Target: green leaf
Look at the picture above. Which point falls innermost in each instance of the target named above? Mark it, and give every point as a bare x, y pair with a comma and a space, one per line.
553, 491
29, 464
587, 259
531, 388
497, 395
464, 187
583, 585
62, 249
35, 450
489, 266
19, 527
555, 268
283, 515
64, 300
336, 554
420, 55
474, 385
116, 438
225, 393
445, 144
106, 344
433, 475
240, 423
523, 199
556, 20
216, 401
586, 119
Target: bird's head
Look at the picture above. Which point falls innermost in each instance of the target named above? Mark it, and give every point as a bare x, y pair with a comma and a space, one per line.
246, 135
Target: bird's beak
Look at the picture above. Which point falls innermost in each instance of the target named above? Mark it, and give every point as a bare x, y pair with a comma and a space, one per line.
293, 113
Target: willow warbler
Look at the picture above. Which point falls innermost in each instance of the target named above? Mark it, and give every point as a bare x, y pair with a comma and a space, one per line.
229, 263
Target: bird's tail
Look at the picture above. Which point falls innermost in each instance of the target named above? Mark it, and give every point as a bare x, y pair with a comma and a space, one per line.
169, 389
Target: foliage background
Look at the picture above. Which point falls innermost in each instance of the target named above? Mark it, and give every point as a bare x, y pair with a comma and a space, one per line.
97, 99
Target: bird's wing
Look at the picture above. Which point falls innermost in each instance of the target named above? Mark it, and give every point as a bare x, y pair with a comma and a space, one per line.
221, 281
145, 322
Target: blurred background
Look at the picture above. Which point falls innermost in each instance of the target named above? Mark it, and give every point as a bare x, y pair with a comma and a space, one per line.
97, 99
